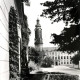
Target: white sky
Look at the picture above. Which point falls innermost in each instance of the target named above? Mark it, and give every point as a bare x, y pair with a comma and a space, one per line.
33, 12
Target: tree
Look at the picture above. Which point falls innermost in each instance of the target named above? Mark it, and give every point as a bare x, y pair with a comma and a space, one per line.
47, 62
25, 32
68, 11
35, 55
13, 44
75, 59
68, 40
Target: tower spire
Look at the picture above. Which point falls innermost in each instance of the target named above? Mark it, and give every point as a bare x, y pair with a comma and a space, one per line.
37, 20
38, 23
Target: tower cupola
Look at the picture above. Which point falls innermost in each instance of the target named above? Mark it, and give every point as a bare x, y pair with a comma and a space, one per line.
38, 23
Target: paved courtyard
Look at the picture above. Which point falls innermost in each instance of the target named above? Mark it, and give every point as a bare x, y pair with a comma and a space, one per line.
63, 69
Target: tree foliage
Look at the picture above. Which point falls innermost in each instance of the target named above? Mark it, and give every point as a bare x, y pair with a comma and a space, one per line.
69, 12
66, 10
75, 59
35, 55
25, 40
68, 40
13, 44
25, 32
47, 62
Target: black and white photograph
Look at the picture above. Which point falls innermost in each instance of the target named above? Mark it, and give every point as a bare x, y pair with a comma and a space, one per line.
39, 39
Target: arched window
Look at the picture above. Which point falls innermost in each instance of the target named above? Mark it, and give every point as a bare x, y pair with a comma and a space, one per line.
64, 57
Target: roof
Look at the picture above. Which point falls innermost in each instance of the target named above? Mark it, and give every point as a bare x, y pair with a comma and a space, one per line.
50, 48
38, 23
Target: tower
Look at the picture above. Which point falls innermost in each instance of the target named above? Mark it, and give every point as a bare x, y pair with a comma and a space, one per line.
38, 36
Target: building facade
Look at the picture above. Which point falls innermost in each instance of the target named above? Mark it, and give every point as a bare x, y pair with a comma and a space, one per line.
59, 57
11, 22
38, 37
5, 6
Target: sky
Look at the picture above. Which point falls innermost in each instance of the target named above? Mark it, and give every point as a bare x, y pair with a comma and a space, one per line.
33, 12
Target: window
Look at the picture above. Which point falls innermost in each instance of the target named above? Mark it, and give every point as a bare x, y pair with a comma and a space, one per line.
67, 57
61, 57
67, 62
70, 62
64, 57
55, 57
